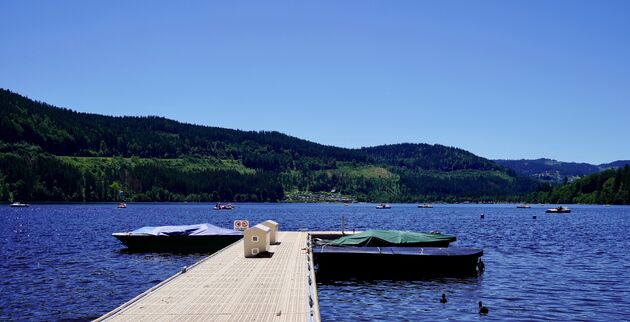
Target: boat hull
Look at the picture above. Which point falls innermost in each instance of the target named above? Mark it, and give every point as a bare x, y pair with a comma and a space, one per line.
176, 244
394, 262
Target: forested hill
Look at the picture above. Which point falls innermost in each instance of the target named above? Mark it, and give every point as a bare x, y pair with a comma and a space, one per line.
56, 154
607, 187
64, 132
429, 157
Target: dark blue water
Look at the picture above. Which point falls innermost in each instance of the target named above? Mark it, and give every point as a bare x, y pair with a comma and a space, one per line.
61, 262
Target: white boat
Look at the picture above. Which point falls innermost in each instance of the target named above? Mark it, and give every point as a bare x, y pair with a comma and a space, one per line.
383, 206
220, 206
18, 205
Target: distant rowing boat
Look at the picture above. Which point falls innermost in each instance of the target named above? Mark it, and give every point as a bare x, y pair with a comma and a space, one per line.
383, 206
559, 210
523, 206
219, 206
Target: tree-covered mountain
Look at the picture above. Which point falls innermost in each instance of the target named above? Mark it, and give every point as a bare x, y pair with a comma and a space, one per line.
56, 154
61, 131
556, 171
610, 186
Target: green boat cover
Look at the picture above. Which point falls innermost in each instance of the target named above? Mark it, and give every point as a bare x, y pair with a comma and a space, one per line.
383, 238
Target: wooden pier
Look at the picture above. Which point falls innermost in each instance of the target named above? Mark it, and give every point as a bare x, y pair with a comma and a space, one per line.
226, 286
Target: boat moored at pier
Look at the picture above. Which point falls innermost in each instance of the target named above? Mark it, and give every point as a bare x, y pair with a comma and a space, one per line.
190, 238
395, 262
393, 254
391, 238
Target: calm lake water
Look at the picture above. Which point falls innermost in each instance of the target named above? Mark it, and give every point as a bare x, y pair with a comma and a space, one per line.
60, 262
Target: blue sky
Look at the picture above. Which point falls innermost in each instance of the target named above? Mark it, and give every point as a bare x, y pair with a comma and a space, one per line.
502, 79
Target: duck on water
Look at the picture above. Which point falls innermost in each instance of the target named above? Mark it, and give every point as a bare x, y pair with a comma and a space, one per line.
482, 309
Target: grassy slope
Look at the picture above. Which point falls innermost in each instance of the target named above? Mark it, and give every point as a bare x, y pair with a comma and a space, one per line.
185, 164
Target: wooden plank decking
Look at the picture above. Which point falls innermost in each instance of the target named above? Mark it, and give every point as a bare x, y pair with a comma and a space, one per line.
226, 286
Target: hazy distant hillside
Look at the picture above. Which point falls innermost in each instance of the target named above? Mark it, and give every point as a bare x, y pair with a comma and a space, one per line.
56, 154
614, 165
555, 171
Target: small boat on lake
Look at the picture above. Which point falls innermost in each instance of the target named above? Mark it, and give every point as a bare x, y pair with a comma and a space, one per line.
383, 206
424, 205
220, 206
523, 206
121, 205
18, 205
558, 210
205, 238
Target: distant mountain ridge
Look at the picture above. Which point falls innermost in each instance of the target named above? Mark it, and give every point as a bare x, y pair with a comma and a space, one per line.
56, 154
555, 171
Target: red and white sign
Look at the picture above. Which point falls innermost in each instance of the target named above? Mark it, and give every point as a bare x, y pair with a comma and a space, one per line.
241, 224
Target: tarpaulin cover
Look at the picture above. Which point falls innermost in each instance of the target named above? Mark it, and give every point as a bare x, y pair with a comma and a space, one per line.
382, 238
416, 251
188, 230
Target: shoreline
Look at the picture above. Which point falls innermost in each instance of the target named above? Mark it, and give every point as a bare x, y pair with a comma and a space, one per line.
211, 203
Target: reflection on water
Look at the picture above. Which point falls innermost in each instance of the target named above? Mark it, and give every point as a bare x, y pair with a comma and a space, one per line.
61, 262
399, 300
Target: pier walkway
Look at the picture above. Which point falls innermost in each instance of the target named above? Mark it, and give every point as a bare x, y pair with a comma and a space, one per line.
226, 286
